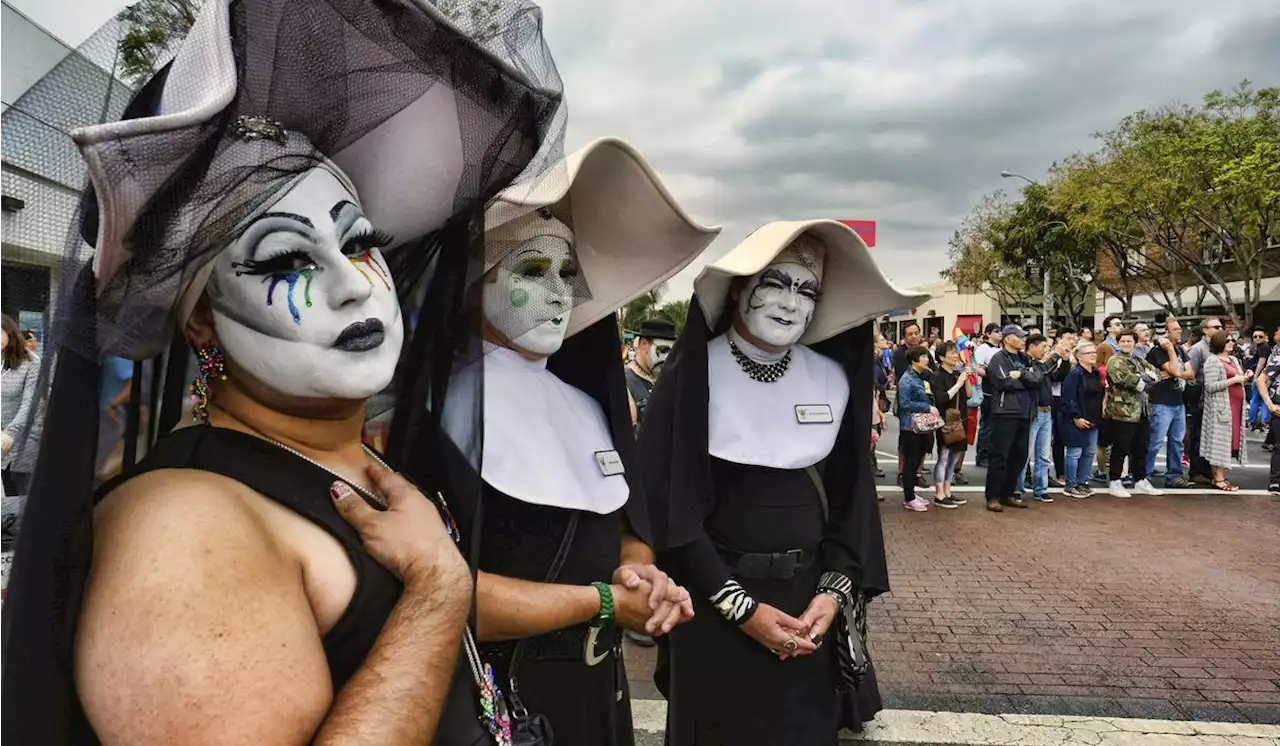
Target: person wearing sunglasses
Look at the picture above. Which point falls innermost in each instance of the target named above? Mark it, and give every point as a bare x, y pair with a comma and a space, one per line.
653, 344
1255, 358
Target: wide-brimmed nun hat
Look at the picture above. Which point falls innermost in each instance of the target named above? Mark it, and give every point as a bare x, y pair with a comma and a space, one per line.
628, 232
853, 287
425, 120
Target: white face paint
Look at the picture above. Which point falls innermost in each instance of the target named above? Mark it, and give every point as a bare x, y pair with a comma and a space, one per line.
657, 353
778, 303
529, 295
303, 302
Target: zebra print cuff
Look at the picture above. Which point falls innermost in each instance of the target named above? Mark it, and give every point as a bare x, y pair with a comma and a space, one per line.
839, 585
733, 603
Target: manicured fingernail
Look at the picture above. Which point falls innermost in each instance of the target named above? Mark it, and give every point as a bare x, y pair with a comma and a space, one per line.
340, 491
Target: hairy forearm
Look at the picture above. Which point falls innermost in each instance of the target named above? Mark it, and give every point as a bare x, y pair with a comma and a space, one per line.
509, 608
397, 695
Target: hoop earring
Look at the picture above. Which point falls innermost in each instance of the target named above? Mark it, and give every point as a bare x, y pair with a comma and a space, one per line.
212, 364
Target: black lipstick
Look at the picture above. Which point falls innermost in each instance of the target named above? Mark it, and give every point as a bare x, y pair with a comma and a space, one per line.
361, 336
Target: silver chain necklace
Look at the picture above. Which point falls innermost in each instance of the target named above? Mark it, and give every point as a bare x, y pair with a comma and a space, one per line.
492, 704
369, 495
762, 372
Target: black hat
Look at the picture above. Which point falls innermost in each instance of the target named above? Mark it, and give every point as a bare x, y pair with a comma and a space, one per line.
657, 329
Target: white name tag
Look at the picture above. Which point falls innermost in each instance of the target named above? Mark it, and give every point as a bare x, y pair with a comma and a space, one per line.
610, 463
814, 414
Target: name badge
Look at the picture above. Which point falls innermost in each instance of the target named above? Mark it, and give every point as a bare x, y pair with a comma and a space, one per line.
610, 463
814, 414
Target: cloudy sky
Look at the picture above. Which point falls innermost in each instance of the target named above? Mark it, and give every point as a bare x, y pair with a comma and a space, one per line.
901, 112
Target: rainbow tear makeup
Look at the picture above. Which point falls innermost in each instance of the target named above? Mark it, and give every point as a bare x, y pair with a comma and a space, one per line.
367, 259
292, 279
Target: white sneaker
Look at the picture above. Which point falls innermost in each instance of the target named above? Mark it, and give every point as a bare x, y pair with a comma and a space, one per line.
1118, 490
919, 505
1145, 487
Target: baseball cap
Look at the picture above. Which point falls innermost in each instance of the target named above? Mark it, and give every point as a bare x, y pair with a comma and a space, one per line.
1015, 330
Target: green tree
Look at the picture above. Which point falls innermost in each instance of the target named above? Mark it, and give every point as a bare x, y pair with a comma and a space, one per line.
1037, 235
153, 28
677, 312
1191, 193
975, 257
644, 307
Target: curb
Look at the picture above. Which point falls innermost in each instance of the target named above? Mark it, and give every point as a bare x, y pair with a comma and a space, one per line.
922, 728
1100, 492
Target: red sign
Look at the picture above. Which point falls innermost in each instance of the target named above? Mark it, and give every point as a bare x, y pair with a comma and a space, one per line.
864, 228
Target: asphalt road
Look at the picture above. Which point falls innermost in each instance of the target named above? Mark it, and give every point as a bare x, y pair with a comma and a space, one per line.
1253, 476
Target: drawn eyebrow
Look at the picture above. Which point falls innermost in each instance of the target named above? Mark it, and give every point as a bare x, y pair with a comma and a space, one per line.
809, 285
344, 213
776, 274
287, 215
256, 231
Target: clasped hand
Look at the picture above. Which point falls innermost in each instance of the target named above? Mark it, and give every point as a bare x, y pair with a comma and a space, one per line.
647, 598
772, 627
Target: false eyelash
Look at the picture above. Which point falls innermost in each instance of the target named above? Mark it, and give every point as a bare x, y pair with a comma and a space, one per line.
369, 240
276, 265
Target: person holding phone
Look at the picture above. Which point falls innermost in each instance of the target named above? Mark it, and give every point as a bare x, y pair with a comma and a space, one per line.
1080, 413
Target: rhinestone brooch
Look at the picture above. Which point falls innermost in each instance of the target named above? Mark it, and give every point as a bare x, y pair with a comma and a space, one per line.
258, 128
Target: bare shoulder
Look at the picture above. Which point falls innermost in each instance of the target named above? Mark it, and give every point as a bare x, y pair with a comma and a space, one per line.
193, 617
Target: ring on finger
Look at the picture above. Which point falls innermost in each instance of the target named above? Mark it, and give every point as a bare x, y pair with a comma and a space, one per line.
790, 645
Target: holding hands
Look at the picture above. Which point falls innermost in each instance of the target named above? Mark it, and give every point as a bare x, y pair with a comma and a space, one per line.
646, 598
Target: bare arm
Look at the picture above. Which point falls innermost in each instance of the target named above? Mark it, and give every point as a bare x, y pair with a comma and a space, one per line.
194, 615
634, 551
510, 608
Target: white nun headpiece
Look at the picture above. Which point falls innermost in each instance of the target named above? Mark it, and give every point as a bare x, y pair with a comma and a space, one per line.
853, 287
628, 232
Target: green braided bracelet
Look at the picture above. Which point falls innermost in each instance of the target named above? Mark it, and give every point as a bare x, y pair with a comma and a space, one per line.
606, 603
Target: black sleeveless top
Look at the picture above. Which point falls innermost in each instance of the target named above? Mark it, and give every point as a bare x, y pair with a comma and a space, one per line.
303, 487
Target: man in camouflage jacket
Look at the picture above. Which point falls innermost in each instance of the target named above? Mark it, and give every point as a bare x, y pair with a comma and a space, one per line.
1126, 412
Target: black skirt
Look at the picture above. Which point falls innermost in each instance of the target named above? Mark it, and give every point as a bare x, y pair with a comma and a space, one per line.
587, 705
726, 688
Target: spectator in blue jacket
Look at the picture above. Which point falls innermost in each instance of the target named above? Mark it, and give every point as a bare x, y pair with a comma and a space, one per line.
914, 397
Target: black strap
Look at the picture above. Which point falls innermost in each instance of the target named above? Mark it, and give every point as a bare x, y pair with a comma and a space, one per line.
557, 564
133, 417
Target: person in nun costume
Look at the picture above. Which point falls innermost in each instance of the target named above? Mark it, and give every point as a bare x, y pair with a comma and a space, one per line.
562, 538
755, 461
260, 576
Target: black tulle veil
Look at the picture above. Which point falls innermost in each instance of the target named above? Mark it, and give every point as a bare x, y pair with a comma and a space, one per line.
511, 117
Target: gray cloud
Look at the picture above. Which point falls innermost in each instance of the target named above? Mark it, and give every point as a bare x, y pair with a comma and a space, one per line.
902, 112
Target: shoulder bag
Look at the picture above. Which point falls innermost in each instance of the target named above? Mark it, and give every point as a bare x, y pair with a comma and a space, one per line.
953, 428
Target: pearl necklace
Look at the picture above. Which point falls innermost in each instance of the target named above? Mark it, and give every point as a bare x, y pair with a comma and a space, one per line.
762, 372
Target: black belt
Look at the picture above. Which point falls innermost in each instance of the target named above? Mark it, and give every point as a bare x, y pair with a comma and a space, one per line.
768, 566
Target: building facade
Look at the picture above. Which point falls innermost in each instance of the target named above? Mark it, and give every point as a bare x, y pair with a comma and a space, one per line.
48, 89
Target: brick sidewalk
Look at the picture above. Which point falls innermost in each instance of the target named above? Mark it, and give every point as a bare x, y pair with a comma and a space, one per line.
1150, 607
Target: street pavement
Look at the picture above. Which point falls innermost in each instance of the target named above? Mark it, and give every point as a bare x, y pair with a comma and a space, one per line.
1151, 607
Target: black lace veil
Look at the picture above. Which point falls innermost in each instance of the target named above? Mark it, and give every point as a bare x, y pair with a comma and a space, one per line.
259, 92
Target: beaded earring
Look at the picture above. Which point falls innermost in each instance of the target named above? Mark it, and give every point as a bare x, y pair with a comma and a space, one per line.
212, 362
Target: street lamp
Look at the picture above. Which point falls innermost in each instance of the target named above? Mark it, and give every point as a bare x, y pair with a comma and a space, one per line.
1047, 299
1009, 174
